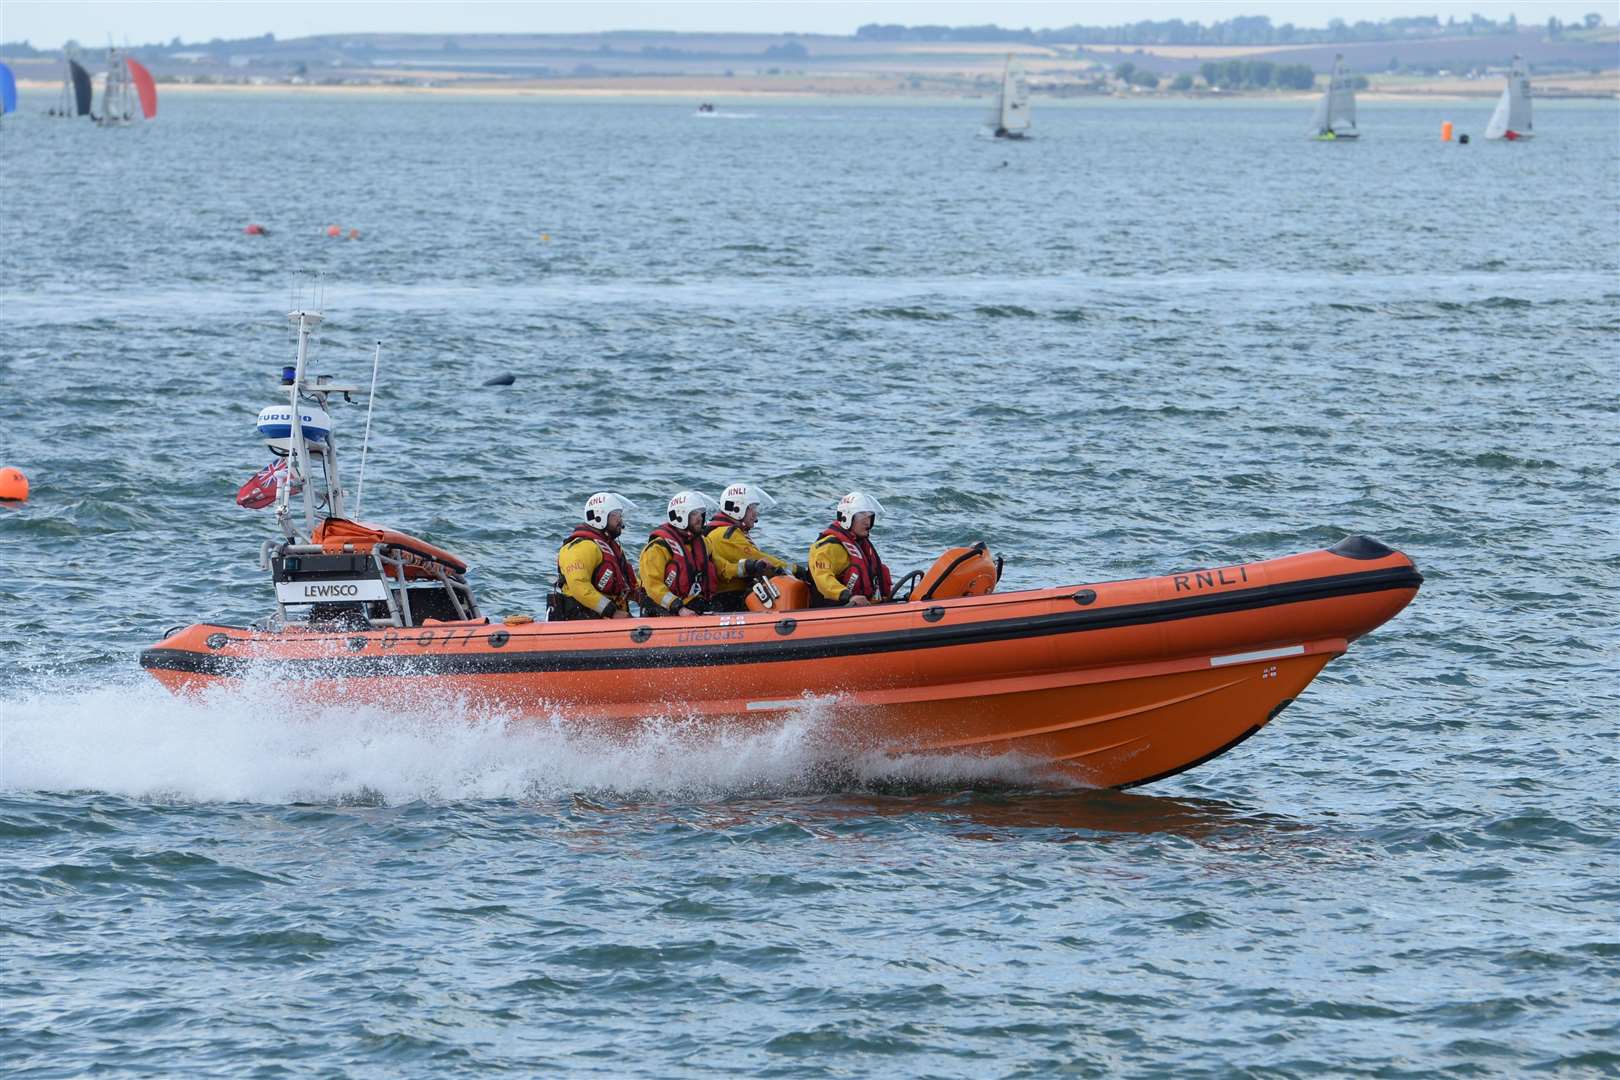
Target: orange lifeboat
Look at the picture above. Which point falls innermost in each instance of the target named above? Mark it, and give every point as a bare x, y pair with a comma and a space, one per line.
1111, 684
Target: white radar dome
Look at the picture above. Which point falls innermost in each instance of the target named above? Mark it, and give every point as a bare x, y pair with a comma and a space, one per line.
275, 425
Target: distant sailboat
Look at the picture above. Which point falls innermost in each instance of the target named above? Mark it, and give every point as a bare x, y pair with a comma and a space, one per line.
1336, 113
8, 90
1010, 120
1511, 121
127, 82
76, 91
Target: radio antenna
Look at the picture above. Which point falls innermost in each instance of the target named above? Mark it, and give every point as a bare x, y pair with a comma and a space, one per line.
365, 442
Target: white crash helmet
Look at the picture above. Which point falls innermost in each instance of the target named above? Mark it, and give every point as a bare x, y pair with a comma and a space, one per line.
858, 502
739, 497
685, 503
601, 505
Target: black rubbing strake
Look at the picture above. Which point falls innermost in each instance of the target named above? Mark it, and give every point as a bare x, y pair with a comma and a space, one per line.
903, 639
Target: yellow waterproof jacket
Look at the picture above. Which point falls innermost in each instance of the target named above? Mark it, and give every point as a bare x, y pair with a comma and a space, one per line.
832, 557
653, 568
675, 568
729, 547
586, 571
828, 559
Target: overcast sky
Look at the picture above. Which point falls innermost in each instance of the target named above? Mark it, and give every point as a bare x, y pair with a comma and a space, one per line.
48, 23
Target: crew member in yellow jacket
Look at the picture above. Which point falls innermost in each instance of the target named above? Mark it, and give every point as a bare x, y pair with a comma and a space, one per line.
677, 575
844, 566
594, 578
733, 551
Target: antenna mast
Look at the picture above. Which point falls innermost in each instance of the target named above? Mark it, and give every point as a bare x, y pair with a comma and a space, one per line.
365, 442
298, 469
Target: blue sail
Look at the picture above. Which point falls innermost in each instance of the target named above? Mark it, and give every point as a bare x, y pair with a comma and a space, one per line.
8, 90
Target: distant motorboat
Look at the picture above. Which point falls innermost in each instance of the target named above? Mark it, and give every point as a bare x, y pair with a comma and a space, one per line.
1511, 120
706, 109
1335, 117
1010, 118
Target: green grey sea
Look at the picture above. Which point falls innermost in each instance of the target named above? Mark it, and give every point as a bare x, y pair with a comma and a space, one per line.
1156, 336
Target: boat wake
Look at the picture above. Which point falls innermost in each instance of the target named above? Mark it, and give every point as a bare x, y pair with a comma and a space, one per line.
134, 739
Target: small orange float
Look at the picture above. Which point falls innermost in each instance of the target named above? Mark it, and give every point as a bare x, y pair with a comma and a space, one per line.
13, 485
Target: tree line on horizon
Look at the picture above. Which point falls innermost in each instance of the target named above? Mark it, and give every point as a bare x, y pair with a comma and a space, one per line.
1230, 75
1242, 30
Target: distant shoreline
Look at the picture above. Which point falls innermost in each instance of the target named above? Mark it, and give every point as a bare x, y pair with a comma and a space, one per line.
639, 88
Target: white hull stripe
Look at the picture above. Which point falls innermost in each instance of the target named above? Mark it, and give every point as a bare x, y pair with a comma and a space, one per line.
1250, 657
767, 706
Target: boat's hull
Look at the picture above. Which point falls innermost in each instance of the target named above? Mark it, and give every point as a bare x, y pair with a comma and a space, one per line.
1112, 684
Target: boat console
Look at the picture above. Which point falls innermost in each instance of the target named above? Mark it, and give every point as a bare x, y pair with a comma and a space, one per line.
376, 585
330, 571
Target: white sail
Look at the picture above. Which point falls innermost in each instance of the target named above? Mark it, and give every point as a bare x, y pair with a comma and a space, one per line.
1337, 106
1513, 109
1013, 113
1319, 120
1499, 119
1342, 90
117, 96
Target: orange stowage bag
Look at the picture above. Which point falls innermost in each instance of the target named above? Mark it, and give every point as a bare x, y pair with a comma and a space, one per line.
795, 595
961, 571
333, 533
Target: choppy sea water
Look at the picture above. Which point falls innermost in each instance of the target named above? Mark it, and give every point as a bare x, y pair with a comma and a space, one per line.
1157, 336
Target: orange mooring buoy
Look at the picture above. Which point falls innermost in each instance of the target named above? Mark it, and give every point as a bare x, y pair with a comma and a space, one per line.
334, 230
256, 230
1445, 131
354, 234
13, 486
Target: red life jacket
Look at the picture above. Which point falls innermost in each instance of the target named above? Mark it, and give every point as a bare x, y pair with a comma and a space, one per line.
722, 521
866, 575
691, 574
613, 578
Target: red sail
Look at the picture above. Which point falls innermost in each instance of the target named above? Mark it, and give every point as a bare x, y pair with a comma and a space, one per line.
143, 86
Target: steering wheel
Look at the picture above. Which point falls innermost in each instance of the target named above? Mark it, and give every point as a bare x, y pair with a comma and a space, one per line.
909, 583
